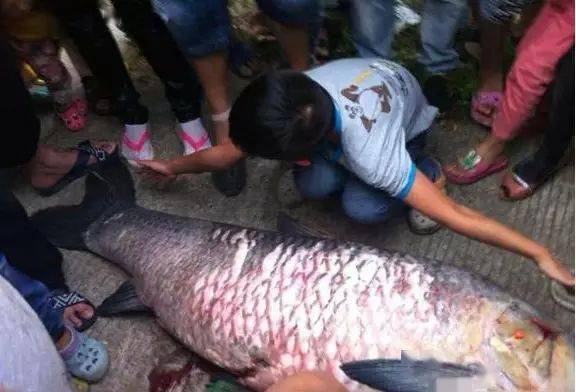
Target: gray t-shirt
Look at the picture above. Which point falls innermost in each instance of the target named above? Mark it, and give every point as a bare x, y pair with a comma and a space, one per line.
380, 107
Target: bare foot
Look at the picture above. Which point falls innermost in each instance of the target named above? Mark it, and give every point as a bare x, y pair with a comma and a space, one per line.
74, 313
51, 164
489, 149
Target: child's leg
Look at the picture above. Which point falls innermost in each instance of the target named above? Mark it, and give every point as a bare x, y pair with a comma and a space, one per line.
84, 357
38, 297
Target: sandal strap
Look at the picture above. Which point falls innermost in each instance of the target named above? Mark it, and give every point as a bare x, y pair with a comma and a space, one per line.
521, 181
98, 152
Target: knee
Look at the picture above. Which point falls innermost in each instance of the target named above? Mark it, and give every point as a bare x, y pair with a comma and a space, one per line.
315, 185
362, 213
291, 12
368, 211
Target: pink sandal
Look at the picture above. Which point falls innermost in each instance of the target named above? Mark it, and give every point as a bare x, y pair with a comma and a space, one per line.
471, 168
75, 115
485, 105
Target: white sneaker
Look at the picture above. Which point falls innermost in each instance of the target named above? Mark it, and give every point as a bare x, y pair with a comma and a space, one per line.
421, 224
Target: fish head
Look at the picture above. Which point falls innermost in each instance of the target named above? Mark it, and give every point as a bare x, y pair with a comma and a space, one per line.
530, 354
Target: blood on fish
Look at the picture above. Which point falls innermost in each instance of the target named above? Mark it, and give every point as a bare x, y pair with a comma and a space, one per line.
165, 381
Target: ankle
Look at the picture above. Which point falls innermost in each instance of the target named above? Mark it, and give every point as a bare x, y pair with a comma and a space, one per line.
64, 340
490, 147
491, 83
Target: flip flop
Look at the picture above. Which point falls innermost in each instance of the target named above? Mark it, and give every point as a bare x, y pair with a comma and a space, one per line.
517, 186
62, 300
81, 166
471, 168
514, 188
75, 115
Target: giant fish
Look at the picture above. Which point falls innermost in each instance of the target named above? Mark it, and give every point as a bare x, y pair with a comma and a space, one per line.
264, 305
28, 358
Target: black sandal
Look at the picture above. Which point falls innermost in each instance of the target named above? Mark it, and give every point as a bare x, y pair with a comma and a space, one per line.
81, 167
63, 300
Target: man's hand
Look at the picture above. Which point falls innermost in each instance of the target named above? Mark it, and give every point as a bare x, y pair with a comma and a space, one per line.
158, 171
553, 268
157, 166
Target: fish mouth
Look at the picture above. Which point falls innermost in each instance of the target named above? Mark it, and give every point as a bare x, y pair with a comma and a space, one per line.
561, 366
525, 347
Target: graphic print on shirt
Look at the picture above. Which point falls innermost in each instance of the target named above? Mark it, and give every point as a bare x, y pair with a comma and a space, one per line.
367, 104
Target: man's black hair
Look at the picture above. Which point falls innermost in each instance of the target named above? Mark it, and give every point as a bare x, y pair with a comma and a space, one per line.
281, 115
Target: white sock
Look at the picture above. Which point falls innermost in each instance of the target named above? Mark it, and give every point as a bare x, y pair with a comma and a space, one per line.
134, 133
196, 138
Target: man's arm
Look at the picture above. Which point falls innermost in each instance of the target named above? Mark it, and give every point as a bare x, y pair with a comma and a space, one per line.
217, 158
428, 199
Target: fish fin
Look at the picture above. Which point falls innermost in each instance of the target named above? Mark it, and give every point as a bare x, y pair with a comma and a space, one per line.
110, 186
405, 374
287, 225
123, 300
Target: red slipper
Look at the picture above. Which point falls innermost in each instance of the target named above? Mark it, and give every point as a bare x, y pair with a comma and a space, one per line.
514, 188
472, 169
74, 116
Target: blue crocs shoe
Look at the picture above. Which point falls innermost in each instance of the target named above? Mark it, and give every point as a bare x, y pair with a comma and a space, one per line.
84, 357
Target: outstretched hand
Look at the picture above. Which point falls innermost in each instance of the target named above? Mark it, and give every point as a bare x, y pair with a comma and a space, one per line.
554, 269
157, 167
157, 171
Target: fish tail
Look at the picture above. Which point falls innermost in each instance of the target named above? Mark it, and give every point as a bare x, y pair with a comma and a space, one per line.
110, 187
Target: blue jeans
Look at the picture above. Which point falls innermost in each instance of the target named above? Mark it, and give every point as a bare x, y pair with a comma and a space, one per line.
372, 23
202, 27
37, 295
360, 201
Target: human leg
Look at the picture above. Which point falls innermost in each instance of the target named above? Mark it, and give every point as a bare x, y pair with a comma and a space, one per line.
293, 22
320, 179
372, 24
532, 171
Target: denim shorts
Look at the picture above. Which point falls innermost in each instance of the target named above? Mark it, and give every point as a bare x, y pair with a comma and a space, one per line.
202, 27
